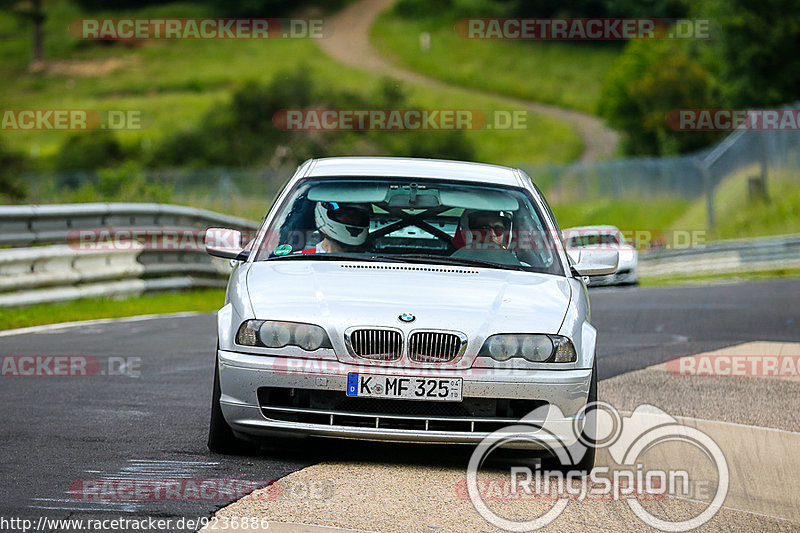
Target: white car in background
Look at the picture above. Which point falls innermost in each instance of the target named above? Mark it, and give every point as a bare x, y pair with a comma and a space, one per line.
609, 238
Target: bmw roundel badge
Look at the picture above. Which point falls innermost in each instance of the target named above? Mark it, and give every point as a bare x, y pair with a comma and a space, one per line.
407, 317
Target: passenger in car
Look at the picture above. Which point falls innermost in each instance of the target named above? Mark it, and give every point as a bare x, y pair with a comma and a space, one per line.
482, 229
344, 227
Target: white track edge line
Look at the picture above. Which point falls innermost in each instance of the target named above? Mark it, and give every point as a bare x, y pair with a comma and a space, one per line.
98, 321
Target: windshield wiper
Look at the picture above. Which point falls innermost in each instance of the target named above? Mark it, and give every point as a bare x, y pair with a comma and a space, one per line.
335, 257
447, 260
405, 258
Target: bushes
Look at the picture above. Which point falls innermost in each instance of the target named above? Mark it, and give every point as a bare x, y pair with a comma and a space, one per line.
88, 151
542, 8
270, 8
125, 183
650, 79
753, 53
242, 133
12, 164
432, 144
224, 8
750, 61
422, 8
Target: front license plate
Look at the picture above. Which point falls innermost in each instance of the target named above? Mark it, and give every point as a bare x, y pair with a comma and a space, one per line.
404, 388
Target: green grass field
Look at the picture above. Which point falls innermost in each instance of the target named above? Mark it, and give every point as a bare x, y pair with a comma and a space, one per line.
565, 74
94, 308
709, 279
626, 214
737, 217
174, 83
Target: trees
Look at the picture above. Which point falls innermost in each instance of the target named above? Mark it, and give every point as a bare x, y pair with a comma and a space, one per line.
35, 14
11, 165
753, 52
750, 61
650, 79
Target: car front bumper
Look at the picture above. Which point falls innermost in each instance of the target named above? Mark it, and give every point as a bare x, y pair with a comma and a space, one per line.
251, 417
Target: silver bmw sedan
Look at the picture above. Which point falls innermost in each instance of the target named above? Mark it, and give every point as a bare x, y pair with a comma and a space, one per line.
399, 299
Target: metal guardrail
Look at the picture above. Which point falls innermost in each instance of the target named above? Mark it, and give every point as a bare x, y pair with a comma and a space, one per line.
52, 267
24, 225
29, 268
724, 257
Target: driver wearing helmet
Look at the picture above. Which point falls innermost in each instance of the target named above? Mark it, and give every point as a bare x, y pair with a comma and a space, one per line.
344, 227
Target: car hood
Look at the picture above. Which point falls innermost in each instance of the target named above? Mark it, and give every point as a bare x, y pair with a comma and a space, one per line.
475, 301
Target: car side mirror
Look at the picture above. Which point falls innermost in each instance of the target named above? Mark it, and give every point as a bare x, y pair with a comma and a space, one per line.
225, 243
588, 262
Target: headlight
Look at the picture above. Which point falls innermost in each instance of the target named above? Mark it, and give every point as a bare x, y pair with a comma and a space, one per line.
533, 348
274, 334
564, 351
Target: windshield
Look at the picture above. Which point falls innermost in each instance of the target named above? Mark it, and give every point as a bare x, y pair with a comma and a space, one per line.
411, 220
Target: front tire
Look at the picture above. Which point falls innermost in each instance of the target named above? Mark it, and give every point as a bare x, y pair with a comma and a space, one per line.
220, 435
587, 442
589, 429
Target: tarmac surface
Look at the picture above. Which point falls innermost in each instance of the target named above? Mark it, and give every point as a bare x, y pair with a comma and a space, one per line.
149, 422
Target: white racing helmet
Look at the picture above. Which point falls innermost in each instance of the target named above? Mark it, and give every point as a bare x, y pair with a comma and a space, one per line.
346, 224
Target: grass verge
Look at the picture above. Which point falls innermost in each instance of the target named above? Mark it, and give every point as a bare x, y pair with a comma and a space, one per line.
777, 273
174, 83
564, 74
626, 214
94, 308
738, 217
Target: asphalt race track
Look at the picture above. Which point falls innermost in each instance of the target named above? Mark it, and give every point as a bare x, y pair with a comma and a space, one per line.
57, 431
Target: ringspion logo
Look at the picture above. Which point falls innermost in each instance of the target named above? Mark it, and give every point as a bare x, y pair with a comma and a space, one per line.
628, 441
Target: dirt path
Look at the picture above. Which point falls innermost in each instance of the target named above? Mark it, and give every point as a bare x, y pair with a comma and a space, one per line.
349, 43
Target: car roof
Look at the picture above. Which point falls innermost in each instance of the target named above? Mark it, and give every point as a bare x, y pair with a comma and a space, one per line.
597, 228
407, 167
